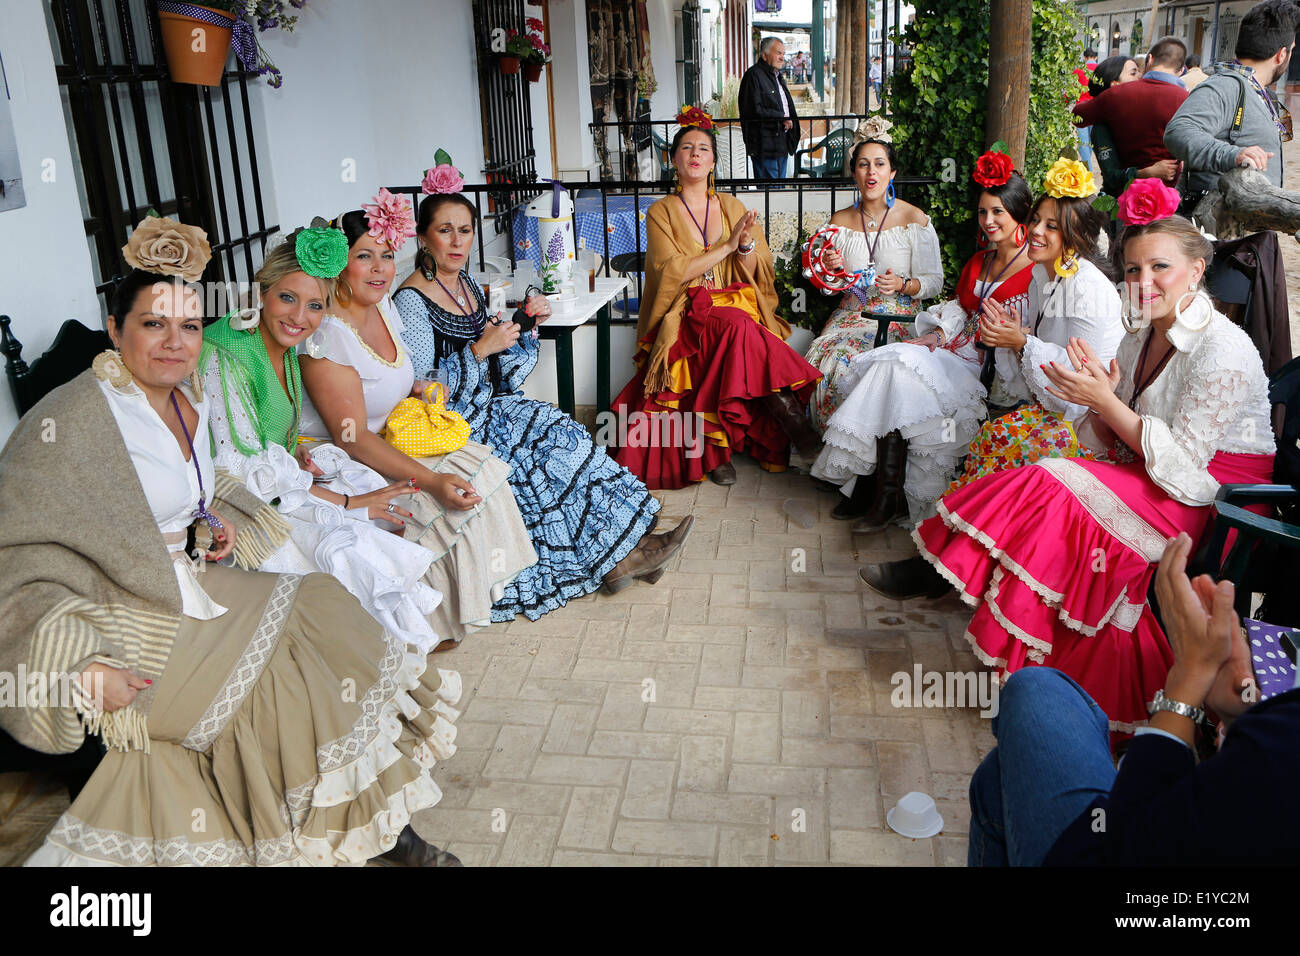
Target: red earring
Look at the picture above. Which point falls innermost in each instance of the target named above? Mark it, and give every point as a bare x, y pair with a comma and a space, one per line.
1022, 234
981, 239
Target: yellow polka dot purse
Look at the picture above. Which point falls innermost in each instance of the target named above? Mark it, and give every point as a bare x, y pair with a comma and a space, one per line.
426, 428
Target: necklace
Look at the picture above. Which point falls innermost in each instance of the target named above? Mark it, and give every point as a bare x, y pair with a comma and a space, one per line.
984, 276
202, 513
459, 296
871, 246
704, 230
1139, 388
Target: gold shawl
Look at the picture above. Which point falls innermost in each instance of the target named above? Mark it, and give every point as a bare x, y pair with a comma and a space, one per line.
672, 240
84, 572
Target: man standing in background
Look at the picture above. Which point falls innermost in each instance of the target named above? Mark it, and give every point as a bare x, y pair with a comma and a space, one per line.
768, 122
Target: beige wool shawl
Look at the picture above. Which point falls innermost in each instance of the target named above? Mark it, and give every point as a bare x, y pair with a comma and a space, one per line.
84, 573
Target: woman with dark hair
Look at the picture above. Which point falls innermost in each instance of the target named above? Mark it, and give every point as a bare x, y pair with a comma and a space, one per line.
1071, 296
355, 371
912, 407
218, 694
711, 353
891, 236
1056, 557
589, 519
1114, 177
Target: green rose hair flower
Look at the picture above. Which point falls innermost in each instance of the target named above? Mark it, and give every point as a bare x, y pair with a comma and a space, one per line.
322, 252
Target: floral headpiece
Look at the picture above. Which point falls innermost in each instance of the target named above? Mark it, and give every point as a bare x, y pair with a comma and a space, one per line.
994, 168
1146, 200
168, 248
322, 250
390, 218
443, 177
694, 116
1069, 178
873, 127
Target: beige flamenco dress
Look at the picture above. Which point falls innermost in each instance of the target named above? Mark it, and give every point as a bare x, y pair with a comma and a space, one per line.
284, 725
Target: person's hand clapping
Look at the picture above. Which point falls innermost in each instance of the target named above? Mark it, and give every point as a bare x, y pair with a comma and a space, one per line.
1201, 637
740, 236
1089, 383
1000, 328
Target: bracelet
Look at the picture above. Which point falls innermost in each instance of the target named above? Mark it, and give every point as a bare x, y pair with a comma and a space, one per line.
347, 500
745, 250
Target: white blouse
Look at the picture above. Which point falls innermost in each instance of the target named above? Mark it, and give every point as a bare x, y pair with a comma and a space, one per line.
170, 482
1086, 306
383, 383
910, 251
1212, 396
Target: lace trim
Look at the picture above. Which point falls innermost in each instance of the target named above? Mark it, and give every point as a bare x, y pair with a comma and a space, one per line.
1106, 508
248, 668
399, 361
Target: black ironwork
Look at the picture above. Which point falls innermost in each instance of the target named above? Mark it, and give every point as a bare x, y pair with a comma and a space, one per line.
142, 142
690, 58
509, 159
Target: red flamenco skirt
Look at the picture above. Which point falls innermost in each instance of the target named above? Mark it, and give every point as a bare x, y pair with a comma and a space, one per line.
1056, 558
723, 363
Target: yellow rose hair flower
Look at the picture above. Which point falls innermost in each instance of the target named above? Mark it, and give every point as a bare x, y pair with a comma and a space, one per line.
1069, 178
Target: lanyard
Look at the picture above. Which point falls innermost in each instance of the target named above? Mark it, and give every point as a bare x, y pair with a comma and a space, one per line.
1038, 320
871, 246
704, 231
213, 521
1138, 389
984, 274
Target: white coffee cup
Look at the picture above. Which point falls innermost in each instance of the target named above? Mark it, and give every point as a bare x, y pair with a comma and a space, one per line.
915, 816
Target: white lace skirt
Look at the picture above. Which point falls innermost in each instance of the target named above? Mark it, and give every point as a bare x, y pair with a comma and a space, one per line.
934, 400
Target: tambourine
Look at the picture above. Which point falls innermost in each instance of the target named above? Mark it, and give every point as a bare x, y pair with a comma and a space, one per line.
832, 281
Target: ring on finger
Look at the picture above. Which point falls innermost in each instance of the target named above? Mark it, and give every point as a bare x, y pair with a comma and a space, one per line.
391, 508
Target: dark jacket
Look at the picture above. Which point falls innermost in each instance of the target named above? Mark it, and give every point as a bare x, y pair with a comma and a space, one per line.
1259, 257
1164, 808
763, 113
1136, 114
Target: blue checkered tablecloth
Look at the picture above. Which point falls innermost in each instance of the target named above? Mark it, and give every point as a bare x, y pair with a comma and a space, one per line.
625, 227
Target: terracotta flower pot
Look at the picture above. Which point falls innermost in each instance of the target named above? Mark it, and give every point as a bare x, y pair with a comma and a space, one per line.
532, 72
509, 64
196, 50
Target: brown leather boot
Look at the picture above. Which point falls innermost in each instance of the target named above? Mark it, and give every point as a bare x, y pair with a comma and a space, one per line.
856, 505
890, 503
902, 580
649, 558
410, 850
792, 416
724, 474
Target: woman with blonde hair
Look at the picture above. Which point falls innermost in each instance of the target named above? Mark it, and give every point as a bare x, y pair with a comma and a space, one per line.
1056, 556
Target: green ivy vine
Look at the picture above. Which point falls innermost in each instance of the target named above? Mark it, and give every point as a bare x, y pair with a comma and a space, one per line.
938, 107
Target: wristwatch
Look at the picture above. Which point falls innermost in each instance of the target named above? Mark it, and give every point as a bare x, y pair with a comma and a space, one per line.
1195, 714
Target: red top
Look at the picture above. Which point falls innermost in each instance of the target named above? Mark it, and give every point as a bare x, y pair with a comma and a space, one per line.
1136, 113
1082, 75
1009, 288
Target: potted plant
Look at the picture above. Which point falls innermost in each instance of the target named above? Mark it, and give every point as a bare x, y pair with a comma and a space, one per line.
538, 54
197, 38
518, 46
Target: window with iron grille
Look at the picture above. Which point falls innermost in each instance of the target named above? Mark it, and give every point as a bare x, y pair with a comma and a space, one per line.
141, 142
688, 60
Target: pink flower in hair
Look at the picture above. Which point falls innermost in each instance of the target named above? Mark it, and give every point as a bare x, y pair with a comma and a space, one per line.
390, 218
443, 178
1147, 200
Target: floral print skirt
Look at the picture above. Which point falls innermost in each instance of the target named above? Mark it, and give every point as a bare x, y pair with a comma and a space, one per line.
1018, 438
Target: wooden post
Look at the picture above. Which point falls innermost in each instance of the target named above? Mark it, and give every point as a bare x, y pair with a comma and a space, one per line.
843, 68
860, 37
1010, 31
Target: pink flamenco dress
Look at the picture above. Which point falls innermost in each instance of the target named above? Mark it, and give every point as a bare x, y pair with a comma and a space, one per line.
1057, 556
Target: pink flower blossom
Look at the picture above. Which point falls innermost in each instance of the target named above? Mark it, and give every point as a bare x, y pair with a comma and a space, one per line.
390, 218
1147, 200
442, 179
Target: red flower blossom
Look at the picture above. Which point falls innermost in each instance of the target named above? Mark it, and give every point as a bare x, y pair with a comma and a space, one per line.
993, 169
694, 116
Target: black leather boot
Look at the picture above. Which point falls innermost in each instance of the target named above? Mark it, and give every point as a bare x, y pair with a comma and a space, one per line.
901, 580
792, 416
855, 506
410, 850
890, 502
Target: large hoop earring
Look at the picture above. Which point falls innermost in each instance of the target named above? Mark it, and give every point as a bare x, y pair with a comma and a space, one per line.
1197, 322
712, 184
424, 262
1021, 234
1131, 315
889, 195
1066, 264
981, 239
342, 292
677, 181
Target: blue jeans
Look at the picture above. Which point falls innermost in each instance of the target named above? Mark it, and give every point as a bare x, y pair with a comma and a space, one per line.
1085, 145
769, 167
1052, 760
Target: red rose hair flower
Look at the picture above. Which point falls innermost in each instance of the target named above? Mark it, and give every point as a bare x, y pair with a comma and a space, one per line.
993, 169
694, 116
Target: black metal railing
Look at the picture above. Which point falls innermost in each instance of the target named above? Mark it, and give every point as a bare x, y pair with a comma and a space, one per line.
793, 197
632, 137
505, 104
142, 142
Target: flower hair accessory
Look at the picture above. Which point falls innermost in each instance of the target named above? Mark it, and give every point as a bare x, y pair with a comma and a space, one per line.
694, 116
1069, 178
322, 250
443, 177
873, 127
168, 248
1146, 200
390, 218
994, 168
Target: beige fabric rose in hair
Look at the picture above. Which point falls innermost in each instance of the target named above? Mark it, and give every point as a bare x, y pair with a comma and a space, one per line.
169, 248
